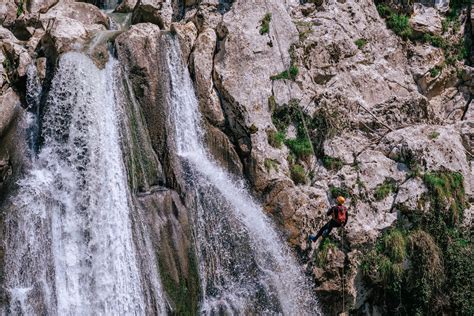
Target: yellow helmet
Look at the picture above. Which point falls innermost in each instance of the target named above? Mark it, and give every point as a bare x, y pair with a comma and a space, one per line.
340, 200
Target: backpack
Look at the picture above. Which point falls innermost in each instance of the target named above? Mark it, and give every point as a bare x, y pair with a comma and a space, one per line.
341, 215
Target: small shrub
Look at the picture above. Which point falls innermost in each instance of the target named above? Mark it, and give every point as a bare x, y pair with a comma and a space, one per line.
395, 245
298, 174
446, 191
265, 24
275, 139
338, 191
361, 42
435, 40
435, 71
332, 163
272, 105
20, 9
323, 250
384, 10
253, 129
399, 23
384, 189
271, 164
289, 74
434, 135
300, 147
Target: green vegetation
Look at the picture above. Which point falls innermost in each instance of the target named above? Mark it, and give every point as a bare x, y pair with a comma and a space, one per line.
429, 268
183, 293
321, 257
361, 42
447, 193
338, 191
332, 163
304, 29
265, 24
289, 74
282, 117
434, 135
435, 40
272, 105
384, 189
253, 129
298, 174
435, 71
275, 139
20, 9
398, 23
271, 164
300, 147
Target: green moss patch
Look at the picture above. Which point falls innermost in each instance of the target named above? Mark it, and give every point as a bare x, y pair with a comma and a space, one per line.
265, 24
385, 189
360, 43
332, 163
298, 174
427, 267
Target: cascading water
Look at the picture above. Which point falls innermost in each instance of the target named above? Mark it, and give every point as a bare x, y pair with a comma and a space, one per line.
245, 267
70, 248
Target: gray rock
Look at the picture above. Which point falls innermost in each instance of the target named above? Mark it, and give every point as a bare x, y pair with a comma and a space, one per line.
126, 6
158, 12
9, 109
40, 6
202, 59
425, 20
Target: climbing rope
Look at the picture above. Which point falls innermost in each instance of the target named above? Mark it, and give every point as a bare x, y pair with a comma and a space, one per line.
343, 274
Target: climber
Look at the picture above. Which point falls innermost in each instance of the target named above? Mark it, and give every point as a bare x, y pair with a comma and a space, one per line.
339, 218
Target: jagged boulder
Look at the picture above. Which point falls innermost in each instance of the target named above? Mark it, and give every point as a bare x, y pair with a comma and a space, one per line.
40, 6
425, 20
428, 147
9, 108
159, 12
91, 17
187, 34
202, 62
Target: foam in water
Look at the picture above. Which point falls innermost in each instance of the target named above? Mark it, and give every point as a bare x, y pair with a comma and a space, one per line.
70, 249
245, 265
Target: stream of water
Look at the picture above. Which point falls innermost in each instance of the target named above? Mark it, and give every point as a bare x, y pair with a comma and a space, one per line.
70, 248
245, 265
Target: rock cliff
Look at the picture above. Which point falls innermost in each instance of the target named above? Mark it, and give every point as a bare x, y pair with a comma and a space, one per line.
306, 100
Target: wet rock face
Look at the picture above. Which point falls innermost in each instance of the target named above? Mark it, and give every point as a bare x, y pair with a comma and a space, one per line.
380, 112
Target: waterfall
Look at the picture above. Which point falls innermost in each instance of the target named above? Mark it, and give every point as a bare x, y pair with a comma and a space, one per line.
69, 237
244, 264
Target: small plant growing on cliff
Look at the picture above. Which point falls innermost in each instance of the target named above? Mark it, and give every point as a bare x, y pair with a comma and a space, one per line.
271, 164
275, 139
321, 257
289, 74
298, 174
300, 147
265, 24
435, 40
398, 23
339, 191
20, 9
332, 163
361, 42
383, 190
434, 135
435, 71
447, 193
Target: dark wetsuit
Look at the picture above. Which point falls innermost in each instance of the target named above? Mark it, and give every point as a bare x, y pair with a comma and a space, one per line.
326, 229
